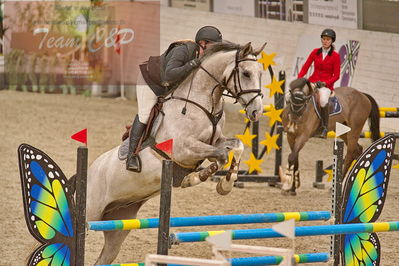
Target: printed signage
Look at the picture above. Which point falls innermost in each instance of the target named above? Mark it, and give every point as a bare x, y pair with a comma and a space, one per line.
341, 13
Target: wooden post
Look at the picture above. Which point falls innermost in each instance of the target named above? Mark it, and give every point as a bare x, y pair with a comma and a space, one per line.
81, 186
279, 104
337, 197
164, 207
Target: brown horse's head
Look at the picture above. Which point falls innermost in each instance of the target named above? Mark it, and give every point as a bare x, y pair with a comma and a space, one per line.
301, 91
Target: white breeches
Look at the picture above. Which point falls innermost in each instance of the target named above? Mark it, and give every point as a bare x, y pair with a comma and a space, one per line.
146, 99
324, 95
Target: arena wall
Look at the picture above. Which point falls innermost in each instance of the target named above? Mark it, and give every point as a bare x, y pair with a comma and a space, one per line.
377, 65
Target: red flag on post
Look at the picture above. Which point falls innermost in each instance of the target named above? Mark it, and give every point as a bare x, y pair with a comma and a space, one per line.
166, 146
80, 136
118, 42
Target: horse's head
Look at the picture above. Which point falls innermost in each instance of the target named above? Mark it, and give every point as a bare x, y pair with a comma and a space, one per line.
301, 91
242, 80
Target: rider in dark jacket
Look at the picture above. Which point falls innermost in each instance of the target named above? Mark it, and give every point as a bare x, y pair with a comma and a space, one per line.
162, 74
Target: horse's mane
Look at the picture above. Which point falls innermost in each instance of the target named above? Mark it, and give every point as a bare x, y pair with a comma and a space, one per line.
220, 46
298, 83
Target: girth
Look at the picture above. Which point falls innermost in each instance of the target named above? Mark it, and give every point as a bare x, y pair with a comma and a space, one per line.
214, 118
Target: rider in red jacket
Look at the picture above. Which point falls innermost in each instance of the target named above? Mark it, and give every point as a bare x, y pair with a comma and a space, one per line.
326, 72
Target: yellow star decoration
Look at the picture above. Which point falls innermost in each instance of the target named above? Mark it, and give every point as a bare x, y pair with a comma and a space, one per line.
329, 172
275, 87
246, 120
274, 115
253, 164
396, 166
231, 155
270, 142
267, 60
246, 138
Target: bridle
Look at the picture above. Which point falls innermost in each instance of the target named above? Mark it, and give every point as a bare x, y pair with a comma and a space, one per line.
299, 100
235, 75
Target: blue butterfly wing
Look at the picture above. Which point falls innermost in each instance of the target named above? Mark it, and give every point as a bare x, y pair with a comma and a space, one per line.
364, 194
362, 249
48, 207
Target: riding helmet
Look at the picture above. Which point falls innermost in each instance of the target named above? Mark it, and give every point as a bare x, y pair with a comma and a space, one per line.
208, 33
329, 33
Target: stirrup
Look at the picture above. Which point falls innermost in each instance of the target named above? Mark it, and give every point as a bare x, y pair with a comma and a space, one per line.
133, 163
323, 133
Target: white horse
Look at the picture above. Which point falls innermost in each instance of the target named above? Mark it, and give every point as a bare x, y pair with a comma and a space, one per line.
114, 193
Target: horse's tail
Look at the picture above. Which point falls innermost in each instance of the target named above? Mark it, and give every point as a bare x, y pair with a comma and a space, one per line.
374, 118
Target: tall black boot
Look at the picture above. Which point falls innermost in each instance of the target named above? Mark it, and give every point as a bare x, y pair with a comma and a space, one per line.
133, 162
324, 122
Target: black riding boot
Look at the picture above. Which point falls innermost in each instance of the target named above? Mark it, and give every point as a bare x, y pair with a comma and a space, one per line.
133, 160
324, 121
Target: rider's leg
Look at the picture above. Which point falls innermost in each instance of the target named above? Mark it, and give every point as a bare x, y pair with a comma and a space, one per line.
324, 95
146, 99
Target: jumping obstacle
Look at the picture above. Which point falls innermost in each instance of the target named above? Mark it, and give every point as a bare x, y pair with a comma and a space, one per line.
259, 260
33, 167
245, 176
132, 224
336, 229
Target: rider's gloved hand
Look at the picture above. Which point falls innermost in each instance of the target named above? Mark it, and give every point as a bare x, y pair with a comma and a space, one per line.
320, 84
196, 62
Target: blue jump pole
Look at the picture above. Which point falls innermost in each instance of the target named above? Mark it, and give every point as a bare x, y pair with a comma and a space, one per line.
209, 220
335, 229
262, 260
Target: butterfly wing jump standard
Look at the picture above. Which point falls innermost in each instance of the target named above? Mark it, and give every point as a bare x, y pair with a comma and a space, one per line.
48, 206
364, 197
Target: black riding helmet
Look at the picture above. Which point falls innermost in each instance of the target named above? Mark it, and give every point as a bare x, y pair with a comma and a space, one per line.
329, 33
208, 33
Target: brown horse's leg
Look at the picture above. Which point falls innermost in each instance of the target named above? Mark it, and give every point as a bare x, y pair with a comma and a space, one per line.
296, 144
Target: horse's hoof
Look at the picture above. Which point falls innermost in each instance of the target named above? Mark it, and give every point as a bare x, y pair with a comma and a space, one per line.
221, 190
186, 182
285, 192
292, 193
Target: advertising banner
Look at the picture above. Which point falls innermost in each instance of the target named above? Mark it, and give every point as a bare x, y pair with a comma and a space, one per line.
236, 7
52, 46
342, 13
203, 5
348, 51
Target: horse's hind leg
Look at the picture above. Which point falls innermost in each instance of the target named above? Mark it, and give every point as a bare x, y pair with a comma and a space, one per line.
113, 239
226, 183
354, 149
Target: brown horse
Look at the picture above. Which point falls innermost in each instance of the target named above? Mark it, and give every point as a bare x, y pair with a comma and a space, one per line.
301, 122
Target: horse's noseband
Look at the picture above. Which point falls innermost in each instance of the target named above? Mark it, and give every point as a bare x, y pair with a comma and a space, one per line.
298, 101
235, 74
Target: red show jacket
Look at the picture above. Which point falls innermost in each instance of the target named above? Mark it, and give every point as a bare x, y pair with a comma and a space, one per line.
326, 70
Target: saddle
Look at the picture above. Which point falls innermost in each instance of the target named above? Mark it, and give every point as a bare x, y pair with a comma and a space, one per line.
148, 140
334, 106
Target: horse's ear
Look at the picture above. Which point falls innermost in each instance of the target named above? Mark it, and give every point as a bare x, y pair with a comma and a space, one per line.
246, 50
259, 50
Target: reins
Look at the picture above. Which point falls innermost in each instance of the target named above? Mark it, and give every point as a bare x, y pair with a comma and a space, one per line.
215, 118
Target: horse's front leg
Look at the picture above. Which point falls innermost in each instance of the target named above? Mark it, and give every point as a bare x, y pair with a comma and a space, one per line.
226, 183
193, 151
292, 178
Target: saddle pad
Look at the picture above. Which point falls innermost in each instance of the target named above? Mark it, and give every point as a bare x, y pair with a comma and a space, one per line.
335, 106
123, 150
178, 172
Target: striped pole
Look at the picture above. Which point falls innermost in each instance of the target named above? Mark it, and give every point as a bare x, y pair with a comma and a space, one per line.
209, 220
366, 134
262, 260
335, 229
